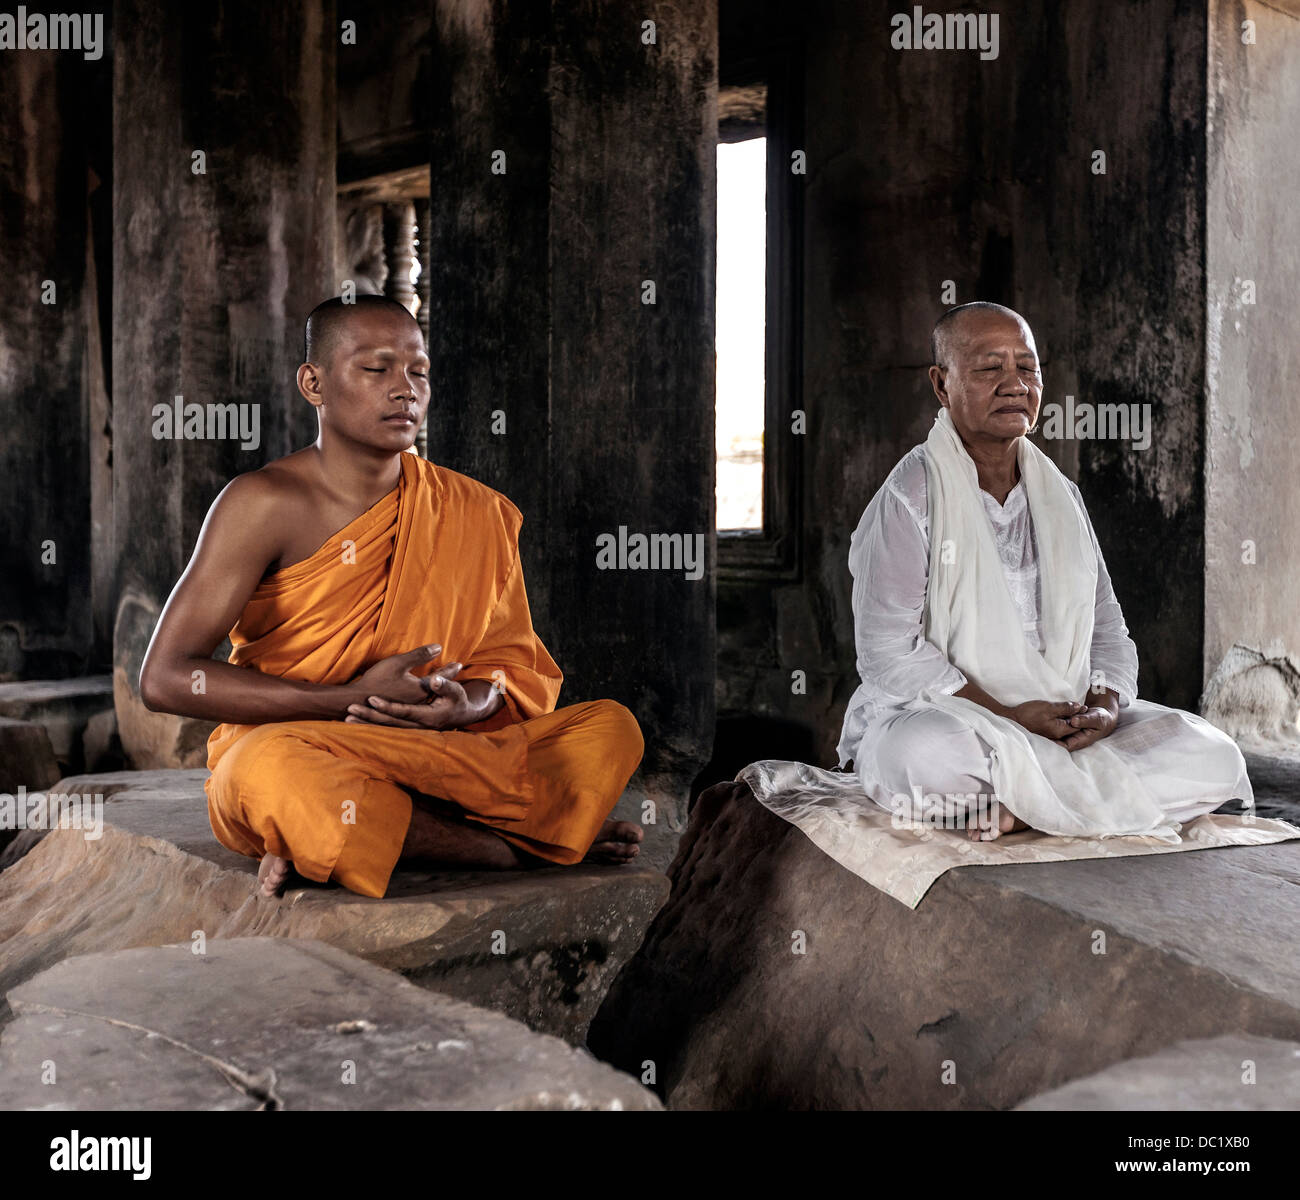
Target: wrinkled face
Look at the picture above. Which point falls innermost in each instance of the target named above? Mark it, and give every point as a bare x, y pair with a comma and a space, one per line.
375, 389
991, 384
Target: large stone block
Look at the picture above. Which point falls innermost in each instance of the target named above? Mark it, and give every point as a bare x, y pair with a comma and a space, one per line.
774, 978
67, 708
26, 756
541, 946
1231, 1073
26, 760
152, 741
272, 1023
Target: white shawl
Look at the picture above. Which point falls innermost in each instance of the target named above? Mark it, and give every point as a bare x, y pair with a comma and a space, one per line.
971, 616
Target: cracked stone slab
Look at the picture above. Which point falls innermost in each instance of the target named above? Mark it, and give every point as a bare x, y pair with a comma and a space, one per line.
774, 978
1223, 1074
541, 946
257, 1023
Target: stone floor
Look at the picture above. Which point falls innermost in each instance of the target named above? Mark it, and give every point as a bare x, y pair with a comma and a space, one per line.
541, 946
276, 1023
771, 978
1223, 1074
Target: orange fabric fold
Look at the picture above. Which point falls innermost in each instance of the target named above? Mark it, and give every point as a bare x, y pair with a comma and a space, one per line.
436, 560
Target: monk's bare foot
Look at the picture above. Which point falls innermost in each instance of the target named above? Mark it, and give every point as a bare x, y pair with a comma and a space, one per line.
272, 875
615, 843
1007, 822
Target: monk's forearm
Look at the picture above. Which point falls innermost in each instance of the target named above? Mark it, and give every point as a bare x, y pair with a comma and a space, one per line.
217, 691
973, 691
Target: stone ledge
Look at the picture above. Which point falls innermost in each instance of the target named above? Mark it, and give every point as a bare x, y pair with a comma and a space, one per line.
257, 1023
157, 875
1195, 1076
65, 707
995, 973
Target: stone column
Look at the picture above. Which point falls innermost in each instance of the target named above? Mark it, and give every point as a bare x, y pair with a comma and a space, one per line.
224, 131
423, 217
399, 247
1252, 589
47, 375
571, 322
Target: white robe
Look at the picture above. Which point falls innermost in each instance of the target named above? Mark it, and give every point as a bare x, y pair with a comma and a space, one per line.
906, 733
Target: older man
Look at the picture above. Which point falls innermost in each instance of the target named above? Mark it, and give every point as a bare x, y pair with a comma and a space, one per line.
999, 683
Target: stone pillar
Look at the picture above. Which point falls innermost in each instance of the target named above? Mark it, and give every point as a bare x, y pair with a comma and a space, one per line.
399, 248
573, 166
423, 217
1252, 589
48, 376
224, 130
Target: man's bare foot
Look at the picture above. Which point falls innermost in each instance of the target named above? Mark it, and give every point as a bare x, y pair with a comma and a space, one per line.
272, 874
1007, 822
615, 843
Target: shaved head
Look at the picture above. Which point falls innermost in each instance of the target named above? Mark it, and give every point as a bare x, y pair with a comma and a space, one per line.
948, 328
326, 322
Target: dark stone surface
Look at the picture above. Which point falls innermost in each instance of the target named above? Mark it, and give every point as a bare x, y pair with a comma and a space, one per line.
541, 946
537, 312
272, 1023
26, 757
66, 709
996, 973
26, 760
213, 273
1223, 1074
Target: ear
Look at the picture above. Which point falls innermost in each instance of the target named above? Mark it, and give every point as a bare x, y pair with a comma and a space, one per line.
938, 381
309, 384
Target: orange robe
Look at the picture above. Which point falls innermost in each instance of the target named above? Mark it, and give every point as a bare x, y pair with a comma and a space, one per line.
434, 561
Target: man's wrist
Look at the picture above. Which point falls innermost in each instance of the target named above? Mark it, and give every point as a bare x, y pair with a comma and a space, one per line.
337, 698
1107, 699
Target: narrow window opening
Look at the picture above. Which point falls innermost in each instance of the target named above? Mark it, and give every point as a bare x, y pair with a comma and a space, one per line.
741, 333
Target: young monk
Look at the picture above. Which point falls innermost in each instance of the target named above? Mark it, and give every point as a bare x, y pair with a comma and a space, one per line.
387, 699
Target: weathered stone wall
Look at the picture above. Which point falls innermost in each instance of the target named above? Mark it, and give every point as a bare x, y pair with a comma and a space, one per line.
51, 385
928, 166
214, 273
555, 382
1253, 350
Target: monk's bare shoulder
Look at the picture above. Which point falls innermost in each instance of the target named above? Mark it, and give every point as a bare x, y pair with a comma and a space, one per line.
256, 509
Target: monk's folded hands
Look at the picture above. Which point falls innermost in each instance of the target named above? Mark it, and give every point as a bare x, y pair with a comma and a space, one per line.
449, 704
1047, 718
1097, 720
393, 678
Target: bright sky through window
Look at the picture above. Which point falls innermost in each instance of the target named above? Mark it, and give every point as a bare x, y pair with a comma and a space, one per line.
742, 257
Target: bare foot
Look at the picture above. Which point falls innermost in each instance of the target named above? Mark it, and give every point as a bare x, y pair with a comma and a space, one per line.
1007, 822
615, 843
272, 875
